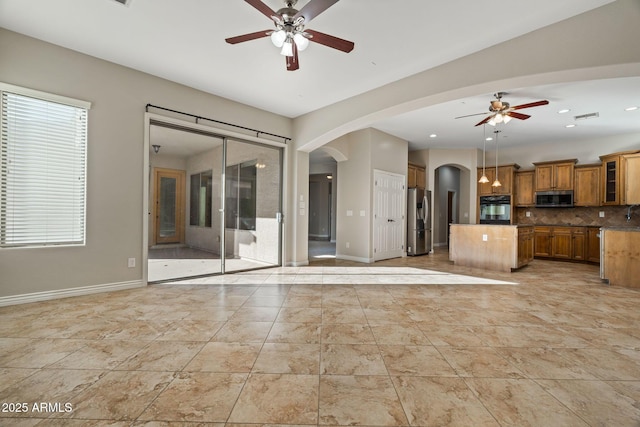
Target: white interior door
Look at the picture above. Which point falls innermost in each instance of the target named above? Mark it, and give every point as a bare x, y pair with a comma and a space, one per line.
389, 209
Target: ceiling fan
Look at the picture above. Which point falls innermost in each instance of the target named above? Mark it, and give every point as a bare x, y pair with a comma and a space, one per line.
290, 34
502, 112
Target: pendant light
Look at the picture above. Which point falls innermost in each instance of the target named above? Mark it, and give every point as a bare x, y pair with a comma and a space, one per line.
497, 182
483, 178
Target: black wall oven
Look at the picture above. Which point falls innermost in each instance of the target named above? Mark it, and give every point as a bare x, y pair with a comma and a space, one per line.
495, 209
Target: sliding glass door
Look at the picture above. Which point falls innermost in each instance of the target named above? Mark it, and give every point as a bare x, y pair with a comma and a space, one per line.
228, 218
253, 200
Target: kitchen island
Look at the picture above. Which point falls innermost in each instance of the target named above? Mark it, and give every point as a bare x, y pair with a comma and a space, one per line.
491, 247
620, 256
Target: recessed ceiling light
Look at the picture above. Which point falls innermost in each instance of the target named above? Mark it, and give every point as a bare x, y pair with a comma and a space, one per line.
631, 109
565, 110
570, 126
433, 135
489, 138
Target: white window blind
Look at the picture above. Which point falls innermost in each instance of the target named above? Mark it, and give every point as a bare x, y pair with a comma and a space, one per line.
43, 174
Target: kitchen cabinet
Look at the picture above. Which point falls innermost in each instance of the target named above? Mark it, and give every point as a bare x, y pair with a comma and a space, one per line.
593, 244
524, 184
612, 187
615, 178
587, 185
579, 243
416, 176
632, 178
525, 245
506, 174
619, 259
560, 242
556, 175
542, 241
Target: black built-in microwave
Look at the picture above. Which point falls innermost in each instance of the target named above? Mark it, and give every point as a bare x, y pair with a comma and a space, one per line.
554, 199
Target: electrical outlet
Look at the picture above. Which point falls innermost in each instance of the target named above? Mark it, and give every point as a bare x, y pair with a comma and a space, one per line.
131, 262
485, 237
601, 214
347, 244
528, 214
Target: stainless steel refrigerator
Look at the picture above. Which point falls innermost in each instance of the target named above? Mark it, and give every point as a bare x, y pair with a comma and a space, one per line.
418, 221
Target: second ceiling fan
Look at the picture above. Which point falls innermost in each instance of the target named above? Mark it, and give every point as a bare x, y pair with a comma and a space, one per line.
290, 34
502, 112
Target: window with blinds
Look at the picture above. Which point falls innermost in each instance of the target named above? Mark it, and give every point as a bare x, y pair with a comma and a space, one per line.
43, 169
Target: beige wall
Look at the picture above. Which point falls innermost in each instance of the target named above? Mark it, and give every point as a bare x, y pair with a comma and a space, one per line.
115, 161
368, 149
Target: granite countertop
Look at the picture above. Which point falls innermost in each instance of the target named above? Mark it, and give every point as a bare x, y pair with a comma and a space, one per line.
636, 229
562, 225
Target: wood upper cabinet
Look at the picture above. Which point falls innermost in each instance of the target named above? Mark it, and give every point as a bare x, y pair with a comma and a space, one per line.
486, 189
632, 178
615, 178
612, 187
556, 175
506, 176
524, 193
587, 185
416, 176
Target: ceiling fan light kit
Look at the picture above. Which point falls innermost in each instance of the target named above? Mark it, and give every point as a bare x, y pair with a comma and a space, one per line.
290, 35
503, 112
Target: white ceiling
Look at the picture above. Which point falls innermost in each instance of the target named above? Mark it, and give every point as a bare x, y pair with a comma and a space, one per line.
184, 42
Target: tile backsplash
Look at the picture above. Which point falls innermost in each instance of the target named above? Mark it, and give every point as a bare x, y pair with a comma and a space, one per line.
614, 216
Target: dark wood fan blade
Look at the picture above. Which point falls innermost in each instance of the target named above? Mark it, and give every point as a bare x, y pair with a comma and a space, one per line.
292, 61
314, 8
470, 115
532, 104
330, 41
247, 37
263, 8
518, 115
485, 120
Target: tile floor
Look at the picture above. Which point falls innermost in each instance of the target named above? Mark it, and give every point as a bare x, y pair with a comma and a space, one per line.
420, 343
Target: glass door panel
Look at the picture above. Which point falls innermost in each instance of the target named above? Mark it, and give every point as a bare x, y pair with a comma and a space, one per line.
189, 208
253, 203
168, 206
168, 202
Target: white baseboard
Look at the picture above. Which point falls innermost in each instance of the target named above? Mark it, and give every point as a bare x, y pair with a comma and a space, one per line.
355, 258
70, 292
298, 263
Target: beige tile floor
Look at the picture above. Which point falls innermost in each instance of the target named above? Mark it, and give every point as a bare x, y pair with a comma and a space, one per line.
420, 343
